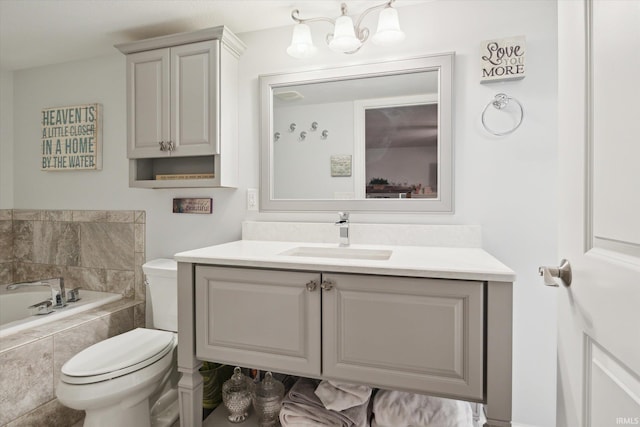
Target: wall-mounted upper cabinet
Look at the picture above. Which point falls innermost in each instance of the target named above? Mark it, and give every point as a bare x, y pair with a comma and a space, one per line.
182, 114
172, 101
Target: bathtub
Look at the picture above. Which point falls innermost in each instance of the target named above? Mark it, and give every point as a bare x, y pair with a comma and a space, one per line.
16, 316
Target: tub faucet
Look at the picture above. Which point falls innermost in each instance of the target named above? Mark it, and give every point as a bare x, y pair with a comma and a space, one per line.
343, 223
58, 296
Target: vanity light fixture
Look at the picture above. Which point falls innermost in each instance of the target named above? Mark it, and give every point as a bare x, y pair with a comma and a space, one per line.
346, 37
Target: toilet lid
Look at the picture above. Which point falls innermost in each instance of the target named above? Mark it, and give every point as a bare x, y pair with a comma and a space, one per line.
119, 355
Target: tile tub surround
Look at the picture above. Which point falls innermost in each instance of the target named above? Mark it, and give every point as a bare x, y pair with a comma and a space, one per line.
96, 250
31, 362
6, 246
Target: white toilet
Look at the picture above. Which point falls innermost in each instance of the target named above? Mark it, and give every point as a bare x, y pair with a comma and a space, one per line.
130, 380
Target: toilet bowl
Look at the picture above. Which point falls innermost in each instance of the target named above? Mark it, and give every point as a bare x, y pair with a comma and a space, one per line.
130, 380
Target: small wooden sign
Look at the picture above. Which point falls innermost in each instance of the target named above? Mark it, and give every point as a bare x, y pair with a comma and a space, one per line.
502, 59
71, 138
194, 206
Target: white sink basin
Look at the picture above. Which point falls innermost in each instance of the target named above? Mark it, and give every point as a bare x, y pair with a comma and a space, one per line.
339, 252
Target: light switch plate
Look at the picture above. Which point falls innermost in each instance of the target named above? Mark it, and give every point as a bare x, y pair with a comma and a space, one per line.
252, 199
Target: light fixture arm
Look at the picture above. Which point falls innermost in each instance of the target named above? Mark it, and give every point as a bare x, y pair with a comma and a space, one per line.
295, 15
363, 33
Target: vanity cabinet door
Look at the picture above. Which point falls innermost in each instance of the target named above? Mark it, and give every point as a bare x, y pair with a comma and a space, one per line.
422, 335
263, 319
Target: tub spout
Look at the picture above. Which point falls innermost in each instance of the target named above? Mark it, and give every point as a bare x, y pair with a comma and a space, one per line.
56, 284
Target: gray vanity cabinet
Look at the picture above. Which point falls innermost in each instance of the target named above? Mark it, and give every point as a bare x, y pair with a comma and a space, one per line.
414, 334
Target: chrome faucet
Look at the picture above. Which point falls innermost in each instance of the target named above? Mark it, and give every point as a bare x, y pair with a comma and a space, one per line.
58, 296
343, 223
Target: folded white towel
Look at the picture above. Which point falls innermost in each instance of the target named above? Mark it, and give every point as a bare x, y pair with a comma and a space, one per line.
301, 408
340, 396
400, 409
298, 415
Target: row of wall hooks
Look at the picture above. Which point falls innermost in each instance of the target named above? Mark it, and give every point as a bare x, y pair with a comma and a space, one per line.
500, 102
303, 135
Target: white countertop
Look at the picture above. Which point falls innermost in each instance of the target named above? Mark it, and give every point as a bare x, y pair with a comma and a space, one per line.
413, 261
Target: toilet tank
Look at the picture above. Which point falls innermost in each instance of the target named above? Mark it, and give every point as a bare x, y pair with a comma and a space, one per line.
161, 278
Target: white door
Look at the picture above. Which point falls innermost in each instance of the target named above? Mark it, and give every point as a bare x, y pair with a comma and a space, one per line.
599, 163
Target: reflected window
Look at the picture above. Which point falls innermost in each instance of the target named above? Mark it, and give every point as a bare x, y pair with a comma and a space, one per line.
401, 151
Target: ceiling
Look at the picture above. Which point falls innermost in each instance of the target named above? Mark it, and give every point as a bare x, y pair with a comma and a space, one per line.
34, 33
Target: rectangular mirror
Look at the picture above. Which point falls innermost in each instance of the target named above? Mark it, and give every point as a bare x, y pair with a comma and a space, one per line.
373, 137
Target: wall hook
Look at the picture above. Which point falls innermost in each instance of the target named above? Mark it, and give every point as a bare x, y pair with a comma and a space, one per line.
314, 127
324, 134
292, 127
276, 136
303, 135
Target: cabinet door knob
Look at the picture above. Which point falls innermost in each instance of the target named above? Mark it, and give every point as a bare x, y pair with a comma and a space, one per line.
312, 285
327, 285
167, 146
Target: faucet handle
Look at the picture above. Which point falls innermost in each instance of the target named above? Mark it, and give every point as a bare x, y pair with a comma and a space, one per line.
42, 307
73, 295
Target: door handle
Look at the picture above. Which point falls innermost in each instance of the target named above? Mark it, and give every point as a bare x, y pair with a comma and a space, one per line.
550, 273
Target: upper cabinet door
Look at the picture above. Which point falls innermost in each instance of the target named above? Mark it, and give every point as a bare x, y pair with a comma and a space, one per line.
194, 99
173, 101
147, 102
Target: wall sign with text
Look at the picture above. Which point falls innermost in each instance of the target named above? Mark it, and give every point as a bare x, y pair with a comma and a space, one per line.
72, 138
193, 205
502, 59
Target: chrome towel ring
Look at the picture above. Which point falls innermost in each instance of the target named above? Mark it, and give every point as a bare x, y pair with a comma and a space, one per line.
500, 102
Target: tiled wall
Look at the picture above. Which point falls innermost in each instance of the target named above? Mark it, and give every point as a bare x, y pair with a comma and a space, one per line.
31, 363
6, 246
97, 250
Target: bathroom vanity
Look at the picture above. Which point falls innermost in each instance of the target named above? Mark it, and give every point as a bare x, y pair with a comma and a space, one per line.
425, 319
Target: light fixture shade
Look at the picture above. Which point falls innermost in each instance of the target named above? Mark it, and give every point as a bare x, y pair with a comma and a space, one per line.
388, 31
301, 43
344, 36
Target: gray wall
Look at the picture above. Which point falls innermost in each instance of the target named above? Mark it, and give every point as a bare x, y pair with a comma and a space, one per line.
6, 139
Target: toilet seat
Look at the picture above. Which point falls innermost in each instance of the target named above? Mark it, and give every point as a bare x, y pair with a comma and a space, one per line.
118, 356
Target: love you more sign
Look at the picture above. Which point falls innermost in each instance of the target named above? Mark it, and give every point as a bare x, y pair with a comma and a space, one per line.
502, 59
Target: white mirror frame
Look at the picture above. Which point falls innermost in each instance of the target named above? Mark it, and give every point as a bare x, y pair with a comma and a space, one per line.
442, 204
